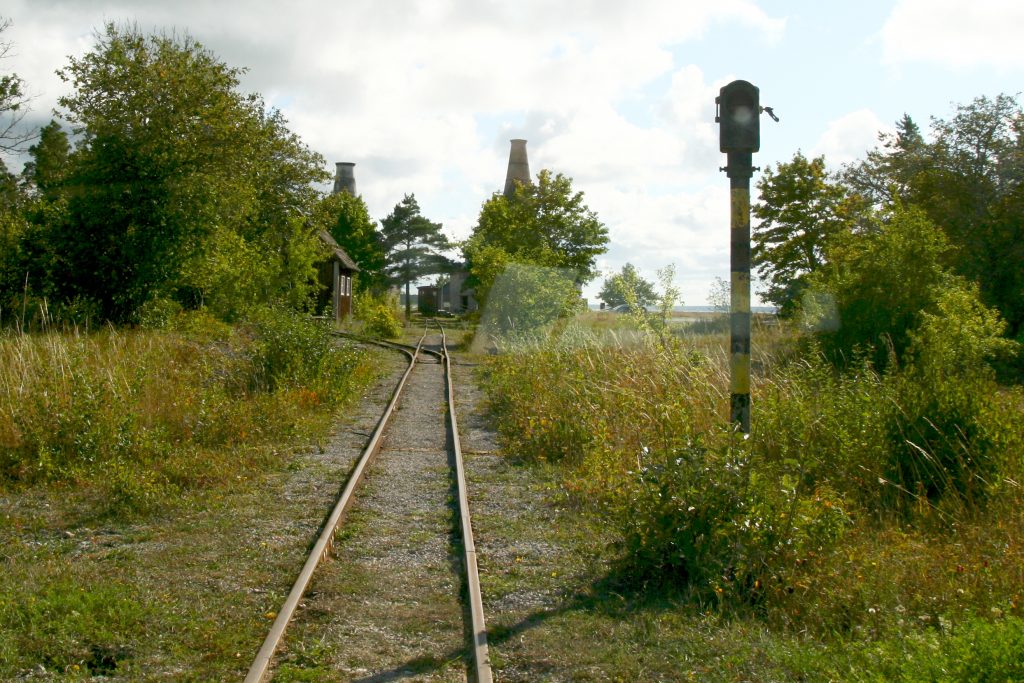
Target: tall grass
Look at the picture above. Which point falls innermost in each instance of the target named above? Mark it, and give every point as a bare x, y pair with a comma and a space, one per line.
142, 414
861, 505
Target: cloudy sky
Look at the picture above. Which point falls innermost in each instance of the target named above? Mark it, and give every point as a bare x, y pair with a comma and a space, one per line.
424, 95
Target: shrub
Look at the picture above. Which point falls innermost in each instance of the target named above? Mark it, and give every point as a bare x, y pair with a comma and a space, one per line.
879, 281
378, 315
708, 518
944, 436
527, 297
292, 350
158, 313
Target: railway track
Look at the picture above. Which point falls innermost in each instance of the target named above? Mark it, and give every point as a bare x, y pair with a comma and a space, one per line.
420, 476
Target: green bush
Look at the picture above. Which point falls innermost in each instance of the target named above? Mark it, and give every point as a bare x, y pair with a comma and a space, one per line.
378, 315
527, 297
870, 298
982, 651
289, 350
945, 437
158, 313
709, 519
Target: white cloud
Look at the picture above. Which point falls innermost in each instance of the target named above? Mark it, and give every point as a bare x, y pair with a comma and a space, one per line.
953, 33
847, 138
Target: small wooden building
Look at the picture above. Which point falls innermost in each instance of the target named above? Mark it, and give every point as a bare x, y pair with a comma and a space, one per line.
335, 275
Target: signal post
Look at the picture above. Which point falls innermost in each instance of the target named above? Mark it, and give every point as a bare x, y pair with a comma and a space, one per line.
739, 137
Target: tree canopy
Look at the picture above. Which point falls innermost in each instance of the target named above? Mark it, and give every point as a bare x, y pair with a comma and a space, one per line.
47, 168
800, 209
178, 183
921, 225
543, 224
414, 246
348, 221
627, 286
967, 179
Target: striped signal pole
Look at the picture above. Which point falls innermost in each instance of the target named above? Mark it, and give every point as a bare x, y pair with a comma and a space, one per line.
738, 116
739, 171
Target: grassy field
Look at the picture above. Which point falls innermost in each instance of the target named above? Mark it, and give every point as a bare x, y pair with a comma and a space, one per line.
627, 534
145, 480
870, 528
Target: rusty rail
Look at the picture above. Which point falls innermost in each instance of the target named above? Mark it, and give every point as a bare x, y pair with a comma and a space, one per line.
323, 544
481, 663
481, 659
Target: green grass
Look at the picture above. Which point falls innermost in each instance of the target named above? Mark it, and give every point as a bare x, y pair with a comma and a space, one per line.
140, 416
797, 554
138, 467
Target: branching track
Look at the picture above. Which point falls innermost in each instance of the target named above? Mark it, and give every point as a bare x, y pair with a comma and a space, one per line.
475, 628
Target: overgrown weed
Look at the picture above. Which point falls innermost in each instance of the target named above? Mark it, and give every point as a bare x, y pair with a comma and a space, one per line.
144, 414
862, 506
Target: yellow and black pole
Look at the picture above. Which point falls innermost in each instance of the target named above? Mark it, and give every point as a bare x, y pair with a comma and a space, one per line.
739, 137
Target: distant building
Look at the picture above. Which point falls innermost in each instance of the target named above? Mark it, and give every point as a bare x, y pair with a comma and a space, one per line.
455, 296
335, 274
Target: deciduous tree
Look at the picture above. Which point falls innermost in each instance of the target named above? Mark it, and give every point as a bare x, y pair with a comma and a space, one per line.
627, 286
348, 221
967, 178
877, 285
800, 209
170, 158
13, 102
544, 224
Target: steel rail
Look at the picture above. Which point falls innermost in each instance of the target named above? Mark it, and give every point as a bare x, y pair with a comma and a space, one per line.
481, 658
261, 664
387, 344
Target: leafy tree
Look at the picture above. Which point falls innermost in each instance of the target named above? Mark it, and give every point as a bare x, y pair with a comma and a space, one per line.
877, 285
526, 297
889, 172
10, 194
13, 102
800, 210
413, 245
543, 224
347, 219
12, 230
172, 157
968, 181
628, 287
48, 166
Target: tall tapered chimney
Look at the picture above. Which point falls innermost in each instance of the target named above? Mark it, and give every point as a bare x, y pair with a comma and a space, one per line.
345, 178
518, 167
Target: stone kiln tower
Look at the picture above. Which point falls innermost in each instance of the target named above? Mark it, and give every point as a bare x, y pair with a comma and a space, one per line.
518, 167
345, 178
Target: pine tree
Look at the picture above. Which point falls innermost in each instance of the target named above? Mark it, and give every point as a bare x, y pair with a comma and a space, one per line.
414, 246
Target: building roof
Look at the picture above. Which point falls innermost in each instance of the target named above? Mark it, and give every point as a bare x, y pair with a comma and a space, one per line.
336, 249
